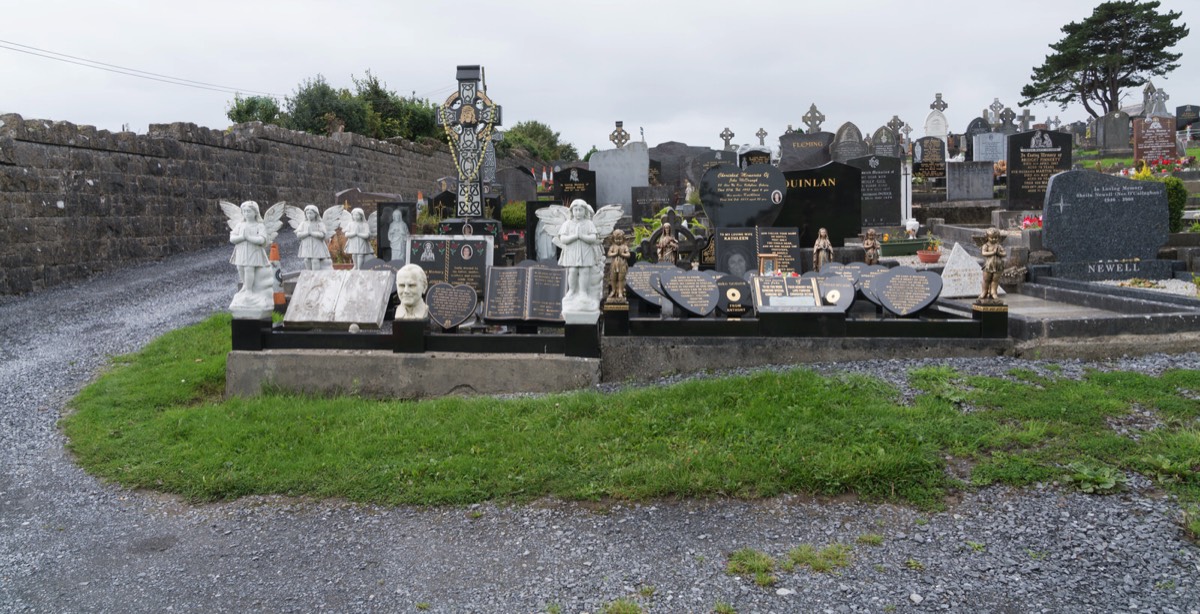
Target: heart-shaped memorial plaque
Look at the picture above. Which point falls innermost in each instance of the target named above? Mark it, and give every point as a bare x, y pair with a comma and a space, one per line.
905, 291
694, 291
642, 280
837, 292
867, 278
734, 298
450, 305
733, 197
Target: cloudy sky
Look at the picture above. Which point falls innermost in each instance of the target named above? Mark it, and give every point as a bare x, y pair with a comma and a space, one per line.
682, 71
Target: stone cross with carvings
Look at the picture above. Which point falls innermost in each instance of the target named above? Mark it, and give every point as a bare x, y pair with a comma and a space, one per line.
727, 135
813, 119
895, 124
790, 130
1026, 119
1053, 124
762, 136
907, 129
619, 137
468, 116
996, 107
1006, 117
938, 103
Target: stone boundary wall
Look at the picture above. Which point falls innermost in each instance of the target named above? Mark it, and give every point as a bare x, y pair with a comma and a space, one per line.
75, 200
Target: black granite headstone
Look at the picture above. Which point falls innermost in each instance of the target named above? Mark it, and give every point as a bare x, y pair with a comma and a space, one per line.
736, 251
452, 259
654, 173
905, 291
695, 292
784, 243
1091, 216
450, 305
881, 198
885, 143
700, 164
1033, 157
649, 200
929, 158
525, 293
867, 279
571, 183
800, 151
518, 184
801, 294
977, 126
1186, 115
754, 155
641, 279
733, 197
408, 214
828, 197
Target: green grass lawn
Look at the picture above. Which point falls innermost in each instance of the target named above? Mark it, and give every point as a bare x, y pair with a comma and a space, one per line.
157, 420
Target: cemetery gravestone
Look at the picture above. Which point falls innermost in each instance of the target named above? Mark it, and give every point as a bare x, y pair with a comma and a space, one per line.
408, 214
736, 250
905, 291
1186, 115
617, 172
455, 259
450, 305
734, 298
337, 299
654, 173
518, 184
1092, 217
881, 197
642, 280
469, 117
693, 291
929, 158
885, 143
989, 147
936, 125
1154, 139
977, 127
969, 181
1033, 157
572, 183
735, 197
700, 164
802, 151
649, 200
962, 276
801, 294
523, 294
784, 243
1113, 137
754, 155
828, 197
847, 143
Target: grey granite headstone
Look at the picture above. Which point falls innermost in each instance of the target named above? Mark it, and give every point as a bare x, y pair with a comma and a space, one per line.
649, 200
619, 170
969, 181
802, 151
518, 184
705, 160
847, 143
989, 147
1092, 217
1113, 134
337, 299
885, 143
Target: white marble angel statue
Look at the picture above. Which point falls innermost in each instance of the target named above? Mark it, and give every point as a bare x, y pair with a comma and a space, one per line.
314, 231
581, 234
251, 236
359, 230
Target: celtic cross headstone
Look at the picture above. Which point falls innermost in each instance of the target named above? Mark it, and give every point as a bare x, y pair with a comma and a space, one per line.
619, 136
813, 119
468, 116
762, 136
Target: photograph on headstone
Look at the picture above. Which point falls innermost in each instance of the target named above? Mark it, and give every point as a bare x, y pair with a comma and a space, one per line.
453, 259
736, 250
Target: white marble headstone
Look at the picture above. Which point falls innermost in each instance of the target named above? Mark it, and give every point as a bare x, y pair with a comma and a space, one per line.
936, 124
962, 277
337, 299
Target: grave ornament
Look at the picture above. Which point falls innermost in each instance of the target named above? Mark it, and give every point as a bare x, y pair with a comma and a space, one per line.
411, 284
314, 230
619, 136
993, 264
618, 266
250, 235
580, 233
468, 117
813, 119
871, 247
359, 230
822, 250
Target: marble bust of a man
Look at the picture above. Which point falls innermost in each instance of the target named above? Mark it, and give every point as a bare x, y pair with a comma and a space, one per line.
411, 284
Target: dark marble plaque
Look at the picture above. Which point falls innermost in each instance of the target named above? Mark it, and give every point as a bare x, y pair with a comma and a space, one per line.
845, 271
1186, 115
571, 183
799, 151
1154, 139
905, 291
1033, 157
929, 157
700, 164
649, 200
801, 294
525, 293
736, 198
1091, 216
885, 144
642, 280
734, 298
784, 243
867, 279
881, 198
455, 259
837, 292
736, 250
828, 197
450, 305
754, 155
1113, 133
693, 291
847, 143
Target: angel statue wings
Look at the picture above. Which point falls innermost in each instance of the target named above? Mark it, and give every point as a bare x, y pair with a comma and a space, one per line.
581, 233
251, 234
314, 231
359, 230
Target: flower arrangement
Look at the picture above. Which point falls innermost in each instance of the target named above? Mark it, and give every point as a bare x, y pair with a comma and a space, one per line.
1031, 222
932, 242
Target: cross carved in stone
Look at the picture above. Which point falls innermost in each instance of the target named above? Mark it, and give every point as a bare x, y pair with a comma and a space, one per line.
1007, 116
727, 135
996, 108
938, 103
907, 129
896, 124
790, 130
619, 137
469, 116
1026, 118
813, 119
762, 136
1053, 124
1060, 204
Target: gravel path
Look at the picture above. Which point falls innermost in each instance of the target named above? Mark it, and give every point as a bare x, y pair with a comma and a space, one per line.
71, 544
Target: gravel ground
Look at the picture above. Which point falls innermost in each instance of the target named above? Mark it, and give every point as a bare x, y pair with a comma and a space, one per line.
71, 544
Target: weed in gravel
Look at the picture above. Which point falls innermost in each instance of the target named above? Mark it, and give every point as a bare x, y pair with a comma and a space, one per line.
977, 546
554, 608
870, 539
723, 608
1093, 479
622, 606
1189, 519
422, 605
1165, 585
826, 559
914, 565
646, 591
1037, 555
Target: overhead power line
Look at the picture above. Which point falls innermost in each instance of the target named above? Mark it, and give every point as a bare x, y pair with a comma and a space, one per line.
132, 72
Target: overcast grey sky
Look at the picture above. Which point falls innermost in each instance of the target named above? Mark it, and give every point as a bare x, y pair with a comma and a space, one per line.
683, 71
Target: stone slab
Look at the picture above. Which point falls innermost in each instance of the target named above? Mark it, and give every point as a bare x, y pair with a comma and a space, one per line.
381, 374
969, 181
1091, 216
337, 299
962, 276
617, 172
